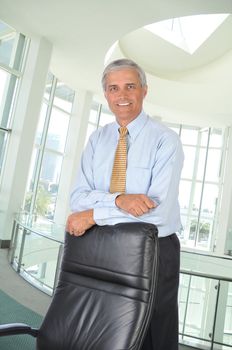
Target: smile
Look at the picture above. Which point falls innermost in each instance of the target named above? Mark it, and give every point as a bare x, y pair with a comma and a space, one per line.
123, 104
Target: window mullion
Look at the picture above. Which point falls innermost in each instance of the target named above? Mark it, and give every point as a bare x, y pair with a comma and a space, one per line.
202, 189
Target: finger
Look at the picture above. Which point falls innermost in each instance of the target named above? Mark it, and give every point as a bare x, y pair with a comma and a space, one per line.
81, 233
70, 231
75, 233
133, 211
149, 202
143, 208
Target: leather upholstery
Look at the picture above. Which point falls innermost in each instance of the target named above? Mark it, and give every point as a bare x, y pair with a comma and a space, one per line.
106, 290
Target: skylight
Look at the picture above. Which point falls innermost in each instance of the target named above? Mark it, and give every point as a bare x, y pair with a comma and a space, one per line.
187, 33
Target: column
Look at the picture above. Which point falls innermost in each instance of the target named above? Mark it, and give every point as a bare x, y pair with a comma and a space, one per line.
24, 127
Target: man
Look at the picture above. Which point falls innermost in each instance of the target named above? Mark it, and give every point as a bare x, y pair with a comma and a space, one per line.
153, 168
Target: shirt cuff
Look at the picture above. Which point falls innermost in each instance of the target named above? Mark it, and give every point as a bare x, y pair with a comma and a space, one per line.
109, 199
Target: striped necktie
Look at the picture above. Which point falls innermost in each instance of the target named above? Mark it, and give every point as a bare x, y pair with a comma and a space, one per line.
118, 177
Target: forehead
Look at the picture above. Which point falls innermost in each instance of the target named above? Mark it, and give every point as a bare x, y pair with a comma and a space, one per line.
123, 75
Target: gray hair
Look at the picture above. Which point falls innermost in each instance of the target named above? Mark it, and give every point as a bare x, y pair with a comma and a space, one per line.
123, 64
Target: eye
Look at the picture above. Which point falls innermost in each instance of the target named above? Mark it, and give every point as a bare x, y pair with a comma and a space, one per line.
131, 86
113, 88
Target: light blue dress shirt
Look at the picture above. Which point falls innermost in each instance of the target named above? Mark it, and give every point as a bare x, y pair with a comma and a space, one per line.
155, 160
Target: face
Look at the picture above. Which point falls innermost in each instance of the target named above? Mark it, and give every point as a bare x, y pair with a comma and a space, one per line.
124, 94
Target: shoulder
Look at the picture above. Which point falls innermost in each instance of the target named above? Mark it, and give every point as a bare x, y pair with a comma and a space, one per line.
161, 132
102, 132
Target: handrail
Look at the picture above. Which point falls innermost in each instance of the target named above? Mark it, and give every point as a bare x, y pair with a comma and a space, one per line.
39, 233
206, 254
205, 275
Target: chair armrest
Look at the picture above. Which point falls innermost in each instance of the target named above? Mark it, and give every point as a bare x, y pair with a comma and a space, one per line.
17, 328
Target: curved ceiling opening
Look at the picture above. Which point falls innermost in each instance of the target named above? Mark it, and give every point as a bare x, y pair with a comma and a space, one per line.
175, 46
189, 32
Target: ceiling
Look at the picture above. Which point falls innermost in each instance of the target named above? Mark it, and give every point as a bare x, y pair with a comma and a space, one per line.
194, 89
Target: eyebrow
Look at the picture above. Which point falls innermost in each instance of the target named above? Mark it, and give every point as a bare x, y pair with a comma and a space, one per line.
112, 85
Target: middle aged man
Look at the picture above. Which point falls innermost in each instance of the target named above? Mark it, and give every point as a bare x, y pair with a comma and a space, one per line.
148, 194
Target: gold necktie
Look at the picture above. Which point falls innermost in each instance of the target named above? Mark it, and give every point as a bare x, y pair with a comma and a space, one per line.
118, 177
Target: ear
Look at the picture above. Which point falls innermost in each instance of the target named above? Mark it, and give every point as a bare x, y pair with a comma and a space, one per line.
145, 88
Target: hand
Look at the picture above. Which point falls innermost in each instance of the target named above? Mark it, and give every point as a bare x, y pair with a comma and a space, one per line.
135, 204
78, 223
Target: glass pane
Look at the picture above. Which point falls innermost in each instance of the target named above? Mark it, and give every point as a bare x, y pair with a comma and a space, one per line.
216, 138
31, 181
204, 233
3, 143
106, 116
189, 161
195, 295
189, 136
50, 171
48, 185
57, 132
4, 84
193, 229
48, 87
209, 200
177, 130
213, 165
197, 198
183, 234
40, 127
39, 260
8, 84
93, 117
8, 38
182, 298
64, 97
184, 195
201, 164
223, 329
204, 134
91, 128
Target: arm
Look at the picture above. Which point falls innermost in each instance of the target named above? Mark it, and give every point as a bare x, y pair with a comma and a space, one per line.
85, 199
84, 195
163, 190
155, 207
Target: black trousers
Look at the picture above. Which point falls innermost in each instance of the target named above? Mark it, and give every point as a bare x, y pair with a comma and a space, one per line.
163, 330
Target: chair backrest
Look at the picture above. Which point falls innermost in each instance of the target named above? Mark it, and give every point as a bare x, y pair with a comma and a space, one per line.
106, 290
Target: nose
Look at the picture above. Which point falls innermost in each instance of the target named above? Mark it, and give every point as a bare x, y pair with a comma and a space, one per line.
122, 93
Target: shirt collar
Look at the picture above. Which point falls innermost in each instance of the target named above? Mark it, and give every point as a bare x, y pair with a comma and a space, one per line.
136, 125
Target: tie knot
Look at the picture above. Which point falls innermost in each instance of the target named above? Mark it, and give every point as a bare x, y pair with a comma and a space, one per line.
123, 131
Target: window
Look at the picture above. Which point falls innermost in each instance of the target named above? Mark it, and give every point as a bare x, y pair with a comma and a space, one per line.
43, 184
12, 47
99, 116
200, 184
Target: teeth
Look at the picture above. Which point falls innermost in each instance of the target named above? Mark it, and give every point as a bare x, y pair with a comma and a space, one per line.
124, 104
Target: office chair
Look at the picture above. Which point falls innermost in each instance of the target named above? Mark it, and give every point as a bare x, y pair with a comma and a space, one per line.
105, 293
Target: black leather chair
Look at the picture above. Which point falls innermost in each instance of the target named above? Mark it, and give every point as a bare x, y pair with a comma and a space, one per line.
106, 291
